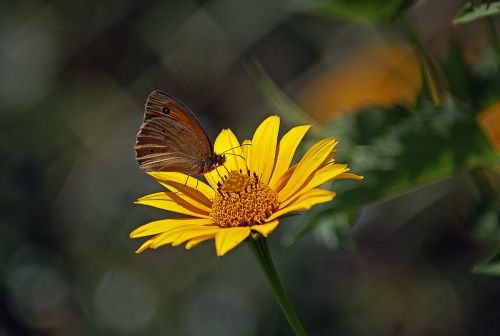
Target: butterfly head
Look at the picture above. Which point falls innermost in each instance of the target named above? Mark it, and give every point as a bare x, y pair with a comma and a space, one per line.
214, 161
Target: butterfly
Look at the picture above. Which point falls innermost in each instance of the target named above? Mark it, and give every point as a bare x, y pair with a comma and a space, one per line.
172, 139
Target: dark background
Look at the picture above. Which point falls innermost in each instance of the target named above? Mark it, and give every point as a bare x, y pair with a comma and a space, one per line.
394, 255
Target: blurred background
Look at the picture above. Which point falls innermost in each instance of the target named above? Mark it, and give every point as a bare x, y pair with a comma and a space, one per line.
411, 89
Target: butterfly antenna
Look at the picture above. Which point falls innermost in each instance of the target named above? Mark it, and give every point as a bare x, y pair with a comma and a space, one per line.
227, 150
241, 156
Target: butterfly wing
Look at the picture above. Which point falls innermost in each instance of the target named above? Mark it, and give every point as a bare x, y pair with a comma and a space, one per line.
164, 144
162, 105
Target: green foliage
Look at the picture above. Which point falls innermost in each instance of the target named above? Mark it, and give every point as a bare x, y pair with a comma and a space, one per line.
399, 150
490, 266
470, 12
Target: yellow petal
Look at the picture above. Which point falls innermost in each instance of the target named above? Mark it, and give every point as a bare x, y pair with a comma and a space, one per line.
190, 189
172, 202
286, 149
349, 176
263, 149
198, 240
283, 180
226, 144
164, 225
324, 174
265, 229
193, 234
305, 202
245, 148
310, 162
228, 238
175, 234
144, 246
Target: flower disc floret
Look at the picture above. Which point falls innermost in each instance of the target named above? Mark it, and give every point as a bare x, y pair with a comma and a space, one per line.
243, 200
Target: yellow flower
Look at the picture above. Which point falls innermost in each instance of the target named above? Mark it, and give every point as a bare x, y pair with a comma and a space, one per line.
250, 192
374, 74
489, 120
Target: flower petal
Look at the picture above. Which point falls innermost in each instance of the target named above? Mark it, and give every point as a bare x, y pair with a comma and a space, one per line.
144, 246
310, 162
227, 144
349, 176
198, 240
305, 202
193, 234
228, 238
190, 189
245, 148
286, 149
172, 202
324, 174
265, 229
164, 225
283, 180
177, 234
263, 149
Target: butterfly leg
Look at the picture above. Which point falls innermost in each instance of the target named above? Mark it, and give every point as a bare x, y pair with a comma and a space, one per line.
226, 169
185, 184
218, 173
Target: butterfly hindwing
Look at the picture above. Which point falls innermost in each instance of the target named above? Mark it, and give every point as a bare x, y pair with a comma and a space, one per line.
164, 144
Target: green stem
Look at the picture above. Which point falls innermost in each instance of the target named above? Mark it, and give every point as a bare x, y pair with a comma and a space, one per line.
258, 246
428, 72
492, 35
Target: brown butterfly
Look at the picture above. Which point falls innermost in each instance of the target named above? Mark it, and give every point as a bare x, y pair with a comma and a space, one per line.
172, 139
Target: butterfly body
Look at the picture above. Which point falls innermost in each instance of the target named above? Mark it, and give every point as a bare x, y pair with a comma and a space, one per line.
172, 139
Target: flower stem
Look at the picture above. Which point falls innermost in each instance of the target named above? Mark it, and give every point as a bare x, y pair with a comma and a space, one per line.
492, 35
429, 74
258, 246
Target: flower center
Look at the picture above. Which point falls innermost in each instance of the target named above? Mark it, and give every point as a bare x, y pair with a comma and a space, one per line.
243, 200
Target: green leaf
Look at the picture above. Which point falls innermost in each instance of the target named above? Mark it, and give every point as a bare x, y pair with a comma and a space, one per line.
397, 152
470, 13
398, 155
490, 266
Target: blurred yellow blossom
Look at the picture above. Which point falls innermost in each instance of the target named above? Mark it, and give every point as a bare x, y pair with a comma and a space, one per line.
489, 120
375, 74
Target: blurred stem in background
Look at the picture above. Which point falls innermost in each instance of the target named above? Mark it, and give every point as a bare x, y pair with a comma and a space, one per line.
277, 98
492, 35
484, 11
433, 86
260, 250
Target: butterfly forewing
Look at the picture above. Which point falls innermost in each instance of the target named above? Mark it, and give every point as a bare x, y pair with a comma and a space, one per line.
172, 139
163, 105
